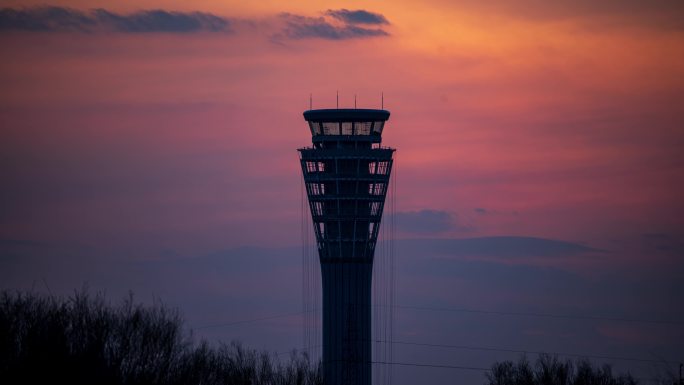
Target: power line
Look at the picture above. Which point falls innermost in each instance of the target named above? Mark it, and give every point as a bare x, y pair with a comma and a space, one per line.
411, 364
463, 347
481, 348
249, 320
541, 315
438, 366
474, 311
430, 365
301, 350
415, 364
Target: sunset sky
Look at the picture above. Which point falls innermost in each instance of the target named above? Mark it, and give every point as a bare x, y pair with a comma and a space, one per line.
151, 146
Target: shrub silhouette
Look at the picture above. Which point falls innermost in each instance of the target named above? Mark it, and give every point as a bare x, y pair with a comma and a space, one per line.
549, 370
85, 340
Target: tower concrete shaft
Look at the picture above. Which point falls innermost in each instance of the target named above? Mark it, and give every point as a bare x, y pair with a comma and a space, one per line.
346, 173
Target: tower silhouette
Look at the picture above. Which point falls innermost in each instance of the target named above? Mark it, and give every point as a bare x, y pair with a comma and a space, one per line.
346, 173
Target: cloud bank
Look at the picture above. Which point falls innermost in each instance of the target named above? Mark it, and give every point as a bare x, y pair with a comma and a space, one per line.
341, 24
61, 19
304, 27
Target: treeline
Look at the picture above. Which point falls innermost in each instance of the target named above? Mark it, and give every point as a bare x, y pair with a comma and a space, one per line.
85, 340
549, 370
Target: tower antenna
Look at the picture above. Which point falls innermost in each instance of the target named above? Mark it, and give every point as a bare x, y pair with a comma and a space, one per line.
337, 99
382, 100
354, 101
310, 101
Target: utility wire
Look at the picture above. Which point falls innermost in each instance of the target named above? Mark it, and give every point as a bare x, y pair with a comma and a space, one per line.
414, 364
470, 347
463, 347
431, 365
249, 320
301, 350
541, 315
476, 311
438, 366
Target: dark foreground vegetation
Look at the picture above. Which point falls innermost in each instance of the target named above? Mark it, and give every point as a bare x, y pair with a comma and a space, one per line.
549, 370
85, 340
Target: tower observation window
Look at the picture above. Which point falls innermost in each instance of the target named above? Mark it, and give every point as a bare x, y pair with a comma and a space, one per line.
375, 209
382, 168
346, 128
331, 128
317, 208
315, 166
379, 168
376, 188
362, 128
316, 188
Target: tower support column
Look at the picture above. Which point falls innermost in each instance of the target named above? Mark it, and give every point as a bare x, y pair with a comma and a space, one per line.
347, 323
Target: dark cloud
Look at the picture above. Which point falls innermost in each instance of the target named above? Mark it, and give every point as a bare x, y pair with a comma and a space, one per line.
425, 221
480, 210
303, 27
59, 19
162, 21
337, 25
45, 19
358, 16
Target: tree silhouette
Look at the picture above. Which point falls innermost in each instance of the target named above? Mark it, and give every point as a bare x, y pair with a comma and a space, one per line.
85, 340
549, 370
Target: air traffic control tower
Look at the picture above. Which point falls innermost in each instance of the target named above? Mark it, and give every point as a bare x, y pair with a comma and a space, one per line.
347, 174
